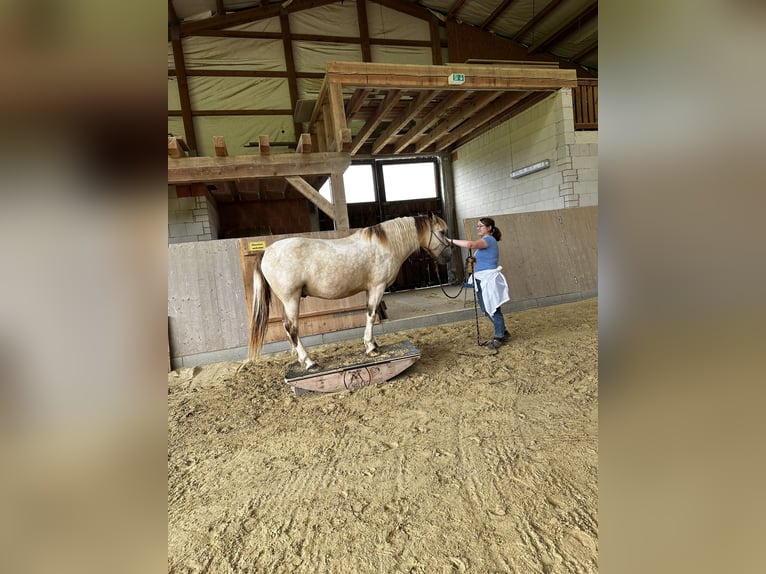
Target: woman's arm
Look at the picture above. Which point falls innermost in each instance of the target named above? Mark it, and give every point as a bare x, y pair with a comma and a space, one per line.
469, 243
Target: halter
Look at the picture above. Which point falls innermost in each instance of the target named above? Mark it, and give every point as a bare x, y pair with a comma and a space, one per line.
444, 243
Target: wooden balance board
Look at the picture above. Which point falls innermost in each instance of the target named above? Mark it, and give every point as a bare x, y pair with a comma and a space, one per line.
361, 371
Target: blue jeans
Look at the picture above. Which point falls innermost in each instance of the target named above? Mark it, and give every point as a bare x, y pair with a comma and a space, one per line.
498, 321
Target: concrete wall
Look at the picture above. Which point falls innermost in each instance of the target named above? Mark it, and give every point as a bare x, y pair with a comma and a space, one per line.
482, 168
207, 313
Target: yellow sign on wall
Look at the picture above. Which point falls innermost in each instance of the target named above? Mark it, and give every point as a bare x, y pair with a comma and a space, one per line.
256, 246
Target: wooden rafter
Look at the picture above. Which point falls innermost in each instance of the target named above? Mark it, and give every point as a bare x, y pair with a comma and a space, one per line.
476, 121
369, 127
451, 100
421, 109
536, 19
451, 121
283, 112
585, 51
502, 7
183, 89
414, 108
406, 8
586, 13
249, 15
455, 7
364, 30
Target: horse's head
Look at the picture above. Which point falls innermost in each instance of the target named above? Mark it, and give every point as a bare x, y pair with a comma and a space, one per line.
433, 238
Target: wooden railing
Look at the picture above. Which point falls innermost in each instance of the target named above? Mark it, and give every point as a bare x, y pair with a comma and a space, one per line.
585, 103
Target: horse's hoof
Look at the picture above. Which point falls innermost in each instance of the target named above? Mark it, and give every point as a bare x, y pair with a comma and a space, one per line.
373, 353
312, 366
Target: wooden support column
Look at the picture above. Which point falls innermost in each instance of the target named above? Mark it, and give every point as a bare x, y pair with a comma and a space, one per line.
337, 118
339, 201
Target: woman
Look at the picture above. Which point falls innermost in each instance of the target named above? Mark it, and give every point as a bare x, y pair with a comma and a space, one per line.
487, 273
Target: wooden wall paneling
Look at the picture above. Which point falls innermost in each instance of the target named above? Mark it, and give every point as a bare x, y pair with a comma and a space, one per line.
205, 298
547, 253
579, 228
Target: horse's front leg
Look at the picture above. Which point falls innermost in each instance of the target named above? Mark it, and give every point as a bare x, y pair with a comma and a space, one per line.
290, 323
373, 300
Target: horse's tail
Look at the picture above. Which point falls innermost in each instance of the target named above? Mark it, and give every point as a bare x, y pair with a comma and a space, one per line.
259, 312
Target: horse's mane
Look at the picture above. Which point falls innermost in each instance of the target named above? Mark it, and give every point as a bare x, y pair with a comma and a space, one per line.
401, 234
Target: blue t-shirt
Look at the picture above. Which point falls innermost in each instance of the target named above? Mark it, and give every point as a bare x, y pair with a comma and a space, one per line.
487, 258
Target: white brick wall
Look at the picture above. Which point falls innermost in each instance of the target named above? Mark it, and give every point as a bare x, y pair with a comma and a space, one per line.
191, 218
482, 169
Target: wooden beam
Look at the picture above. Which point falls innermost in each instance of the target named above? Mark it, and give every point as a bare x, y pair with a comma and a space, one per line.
221, 151
589, 11
477, 77
292, 83
213, 73
585, 51
176, 147
337, 117
412, 110
218, 113
264, 148
183, 89
502, 7
549, 7
312, 38
304, 144
220, 146
356, 101
450, 100
204, 169
391, 99
312, 194
481, 100
406, 8
250, 15
436, 43
364, 30
339, 200
455, 7
477, 120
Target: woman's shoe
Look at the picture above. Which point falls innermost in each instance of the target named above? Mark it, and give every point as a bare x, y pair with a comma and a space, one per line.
497, 343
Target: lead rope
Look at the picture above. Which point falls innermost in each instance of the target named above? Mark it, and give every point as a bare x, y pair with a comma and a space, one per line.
462, 286
475, 306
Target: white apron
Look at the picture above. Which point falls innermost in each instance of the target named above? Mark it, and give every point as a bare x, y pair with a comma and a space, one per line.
494, 288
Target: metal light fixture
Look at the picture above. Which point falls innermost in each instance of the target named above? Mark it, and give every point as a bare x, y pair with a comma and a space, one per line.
540, 165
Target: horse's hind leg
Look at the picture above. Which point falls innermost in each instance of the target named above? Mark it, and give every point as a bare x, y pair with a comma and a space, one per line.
290, 323
373, 300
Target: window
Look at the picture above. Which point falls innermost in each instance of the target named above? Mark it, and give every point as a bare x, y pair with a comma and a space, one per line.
359, 183
414, 180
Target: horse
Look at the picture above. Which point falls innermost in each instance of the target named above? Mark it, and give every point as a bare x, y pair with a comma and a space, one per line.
367, 260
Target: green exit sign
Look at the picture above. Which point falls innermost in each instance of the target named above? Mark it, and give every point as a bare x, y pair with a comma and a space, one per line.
456, 79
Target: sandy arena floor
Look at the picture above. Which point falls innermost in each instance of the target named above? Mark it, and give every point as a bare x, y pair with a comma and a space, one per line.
471, 460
